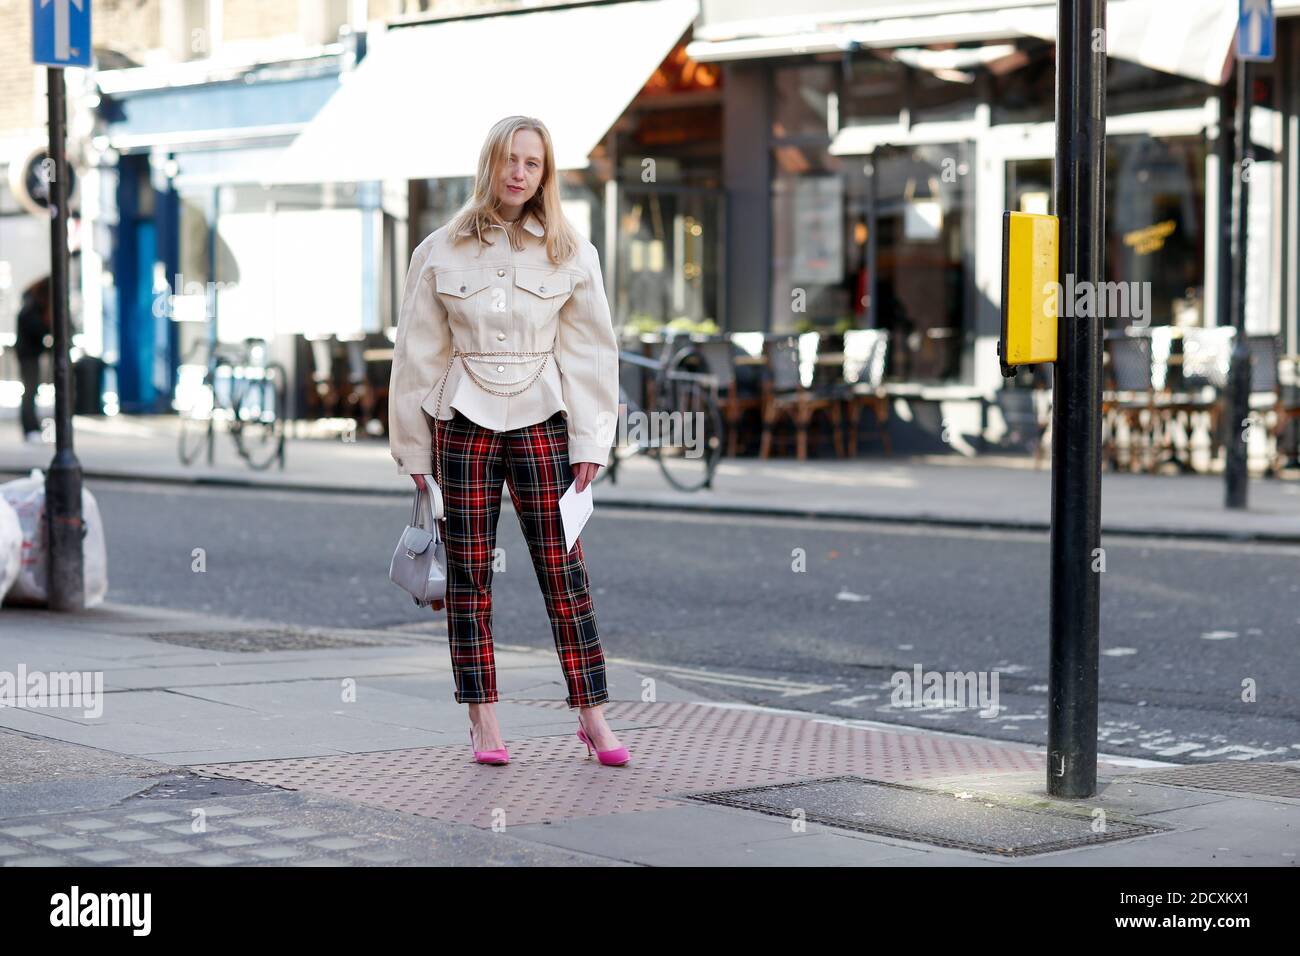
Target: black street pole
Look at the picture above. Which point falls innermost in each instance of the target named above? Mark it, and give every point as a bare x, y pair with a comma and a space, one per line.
1236, 477
1076, 560
64, 524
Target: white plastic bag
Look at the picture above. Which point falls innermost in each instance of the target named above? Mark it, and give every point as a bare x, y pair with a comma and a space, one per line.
27, 498
11, 547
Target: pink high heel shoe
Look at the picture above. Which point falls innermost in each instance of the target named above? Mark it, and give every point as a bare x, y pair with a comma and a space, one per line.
496, 757
610, 758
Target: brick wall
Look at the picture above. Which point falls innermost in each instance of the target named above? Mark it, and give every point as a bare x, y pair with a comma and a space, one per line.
248, 19
18, 106
130, 26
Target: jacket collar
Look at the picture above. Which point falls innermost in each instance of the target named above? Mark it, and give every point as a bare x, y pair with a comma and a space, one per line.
531, 223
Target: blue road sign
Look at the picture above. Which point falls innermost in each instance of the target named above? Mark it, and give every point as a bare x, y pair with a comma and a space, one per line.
1256, 30
61, 32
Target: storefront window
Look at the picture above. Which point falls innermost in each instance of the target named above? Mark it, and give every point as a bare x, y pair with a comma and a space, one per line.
802, 98
1155, 225
918, 200
943, 95
435, 201
923, 197
1024, 85
873, 91
669, 255
1155, 228
810, 270
1134, 88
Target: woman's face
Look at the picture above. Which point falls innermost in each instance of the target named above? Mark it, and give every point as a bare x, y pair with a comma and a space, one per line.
522, 173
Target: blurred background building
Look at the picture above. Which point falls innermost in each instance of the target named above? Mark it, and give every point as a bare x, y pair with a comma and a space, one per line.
268, 165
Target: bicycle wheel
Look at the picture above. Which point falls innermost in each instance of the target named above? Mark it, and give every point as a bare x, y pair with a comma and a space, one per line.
617, 452
688, 422
260, 416
198, 419
195, 435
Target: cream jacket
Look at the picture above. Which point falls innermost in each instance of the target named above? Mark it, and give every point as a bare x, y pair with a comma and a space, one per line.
495, 300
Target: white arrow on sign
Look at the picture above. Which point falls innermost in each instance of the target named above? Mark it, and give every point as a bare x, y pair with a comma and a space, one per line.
61, 51
1256, 11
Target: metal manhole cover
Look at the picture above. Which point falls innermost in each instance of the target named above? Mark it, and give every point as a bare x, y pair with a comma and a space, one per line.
268, 639
1266, 779
928, 816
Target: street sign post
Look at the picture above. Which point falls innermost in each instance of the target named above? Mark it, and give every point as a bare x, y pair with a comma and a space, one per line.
61, 38
1076, 559
1256, 42
1256, 31
61, 32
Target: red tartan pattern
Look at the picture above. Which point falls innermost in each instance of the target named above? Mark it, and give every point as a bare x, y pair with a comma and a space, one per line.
534, 463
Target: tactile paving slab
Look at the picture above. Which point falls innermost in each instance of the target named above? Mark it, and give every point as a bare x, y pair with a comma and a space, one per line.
885, 809
675, 747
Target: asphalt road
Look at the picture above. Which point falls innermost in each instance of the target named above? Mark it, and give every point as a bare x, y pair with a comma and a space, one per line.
807, 615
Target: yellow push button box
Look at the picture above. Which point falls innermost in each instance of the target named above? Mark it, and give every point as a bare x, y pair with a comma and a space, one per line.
1029, 290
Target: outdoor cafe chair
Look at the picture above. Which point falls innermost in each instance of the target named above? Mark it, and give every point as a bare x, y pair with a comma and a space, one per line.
865, 351
1130, 398
720, 356
787, 395
1269, 396
1197, 382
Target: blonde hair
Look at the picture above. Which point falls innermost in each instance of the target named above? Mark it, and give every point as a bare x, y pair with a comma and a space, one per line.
480, 211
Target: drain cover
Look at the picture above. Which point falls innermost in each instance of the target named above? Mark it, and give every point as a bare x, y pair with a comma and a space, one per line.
927, 816
267, 639
1266, 779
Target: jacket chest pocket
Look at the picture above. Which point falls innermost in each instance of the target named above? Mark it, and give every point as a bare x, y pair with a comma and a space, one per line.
469, 293
539, 293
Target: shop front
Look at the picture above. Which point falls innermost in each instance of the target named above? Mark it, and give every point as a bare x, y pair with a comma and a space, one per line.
188, 248
889, 167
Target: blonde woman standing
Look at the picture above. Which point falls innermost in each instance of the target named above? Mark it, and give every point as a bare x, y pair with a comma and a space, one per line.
506, 362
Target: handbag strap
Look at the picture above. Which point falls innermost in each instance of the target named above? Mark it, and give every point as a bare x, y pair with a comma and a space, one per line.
437, 418
417, 514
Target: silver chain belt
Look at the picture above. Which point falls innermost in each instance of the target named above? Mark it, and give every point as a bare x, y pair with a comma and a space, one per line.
483, 356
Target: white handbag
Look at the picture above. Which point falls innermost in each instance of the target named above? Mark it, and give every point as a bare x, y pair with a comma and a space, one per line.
419, 564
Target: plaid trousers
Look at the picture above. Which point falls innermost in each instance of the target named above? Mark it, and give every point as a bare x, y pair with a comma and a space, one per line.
534, 462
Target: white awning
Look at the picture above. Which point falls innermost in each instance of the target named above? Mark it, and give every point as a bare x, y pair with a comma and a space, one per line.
420, 103
1190, 38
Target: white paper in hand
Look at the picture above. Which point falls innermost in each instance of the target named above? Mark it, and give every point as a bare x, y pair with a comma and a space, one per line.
575, 509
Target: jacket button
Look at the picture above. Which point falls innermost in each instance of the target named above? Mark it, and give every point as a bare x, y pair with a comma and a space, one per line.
462, 288
501, 368
501, 272
501, 336
541, 288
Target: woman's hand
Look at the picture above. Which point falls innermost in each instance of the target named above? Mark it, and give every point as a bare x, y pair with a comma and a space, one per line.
584, 473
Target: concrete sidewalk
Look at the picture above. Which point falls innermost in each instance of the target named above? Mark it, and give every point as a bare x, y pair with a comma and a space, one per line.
1005, 492
237, 743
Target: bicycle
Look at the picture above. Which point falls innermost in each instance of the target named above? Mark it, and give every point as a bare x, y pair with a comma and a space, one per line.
684, 418
246, 392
